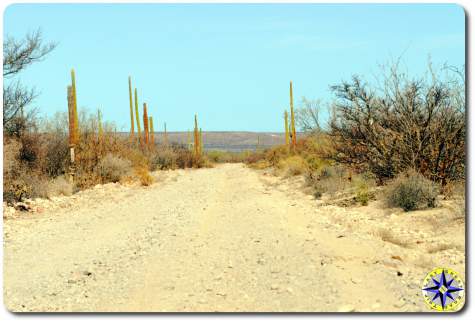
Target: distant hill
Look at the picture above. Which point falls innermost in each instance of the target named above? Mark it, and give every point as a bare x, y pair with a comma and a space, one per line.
227, 140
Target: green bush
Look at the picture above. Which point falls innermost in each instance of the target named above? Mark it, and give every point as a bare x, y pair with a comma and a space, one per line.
411, 191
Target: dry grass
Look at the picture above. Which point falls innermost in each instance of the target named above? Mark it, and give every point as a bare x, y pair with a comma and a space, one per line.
144, 176
292, 166
60, 186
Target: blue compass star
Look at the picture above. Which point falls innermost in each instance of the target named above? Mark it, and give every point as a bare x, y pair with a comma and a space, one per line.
442, 289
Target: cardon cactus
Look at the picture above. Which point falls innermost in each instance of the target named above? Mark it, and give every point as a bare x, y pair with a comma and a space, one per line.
152, 135
75, 108
71, 116
292, 118
165, 135
145, 123
196, 137
99, 123
132, 130
286, 121
201, 142
137, 117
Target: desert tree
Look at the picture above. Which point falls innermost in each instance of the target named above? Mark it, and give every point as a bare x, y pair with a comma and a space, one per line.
308, 115
18, 54
402, 123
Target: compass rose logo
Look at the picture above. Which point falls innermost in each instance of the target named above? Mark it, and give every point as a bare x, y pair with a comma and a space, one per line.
443, 290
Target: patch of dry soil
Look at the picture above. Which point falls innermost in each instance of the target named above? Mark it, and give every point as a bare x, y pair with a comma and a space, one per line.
222, 239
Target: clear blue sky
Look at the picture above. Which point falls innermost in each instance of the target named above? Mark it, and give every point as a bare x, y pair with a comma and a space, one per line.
230, 63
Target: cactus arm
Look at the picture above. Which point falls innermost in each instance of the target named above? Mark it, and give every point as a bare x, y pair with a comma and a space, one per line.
201, 142
145, 123
137, 117
286, 121
292, 117
152, 135
75, 106
196, 137
99, 122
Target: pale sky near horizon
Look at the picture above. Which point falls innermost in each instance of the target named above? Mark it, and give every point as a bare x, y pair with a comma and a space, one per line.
229, 63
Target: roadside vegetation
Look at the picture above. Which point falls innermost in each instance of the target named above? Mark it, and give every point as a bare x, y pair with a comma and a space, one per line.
401, 140
76, 149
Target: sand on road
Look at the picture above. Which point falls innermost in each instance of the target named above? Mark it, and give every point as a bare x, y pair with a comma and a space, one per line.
226, 239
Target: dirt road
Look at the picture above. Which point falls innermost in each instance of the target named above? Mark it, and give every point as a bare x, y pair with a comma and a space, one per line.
222, 239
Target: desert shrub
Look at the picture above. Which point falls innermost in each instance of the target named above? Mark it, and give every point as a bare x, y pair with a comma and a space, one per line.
112, 168
226, 156
294, 165
333, 178
30, 149
256, 157
318, 190
276, 154
144, 176
164, 159
260, 165
16, 189
200, 161
25, 185
59, 186
411, 191
402, 123
219, 156
56, 155
454, 190
362, 195
184, 158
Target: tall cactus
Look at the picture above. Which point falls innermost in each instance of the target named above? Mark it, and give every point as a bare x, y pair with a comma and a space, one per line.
196, 137
188, 139
201, 142
152, 132
137, 117
145, 124
292, 118
71, 116
165, 134
286, 121
75, 107
99, 123
132, 130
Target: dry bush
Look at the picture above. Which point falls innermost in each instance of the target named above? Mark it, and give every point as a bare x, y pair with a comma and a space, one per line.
112, 168
363, 194
144, 175
293, 166
411, 191
256, 157
184, 159
227, 156
21, 179
401, 124
260, 165
164, 159
60, 186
